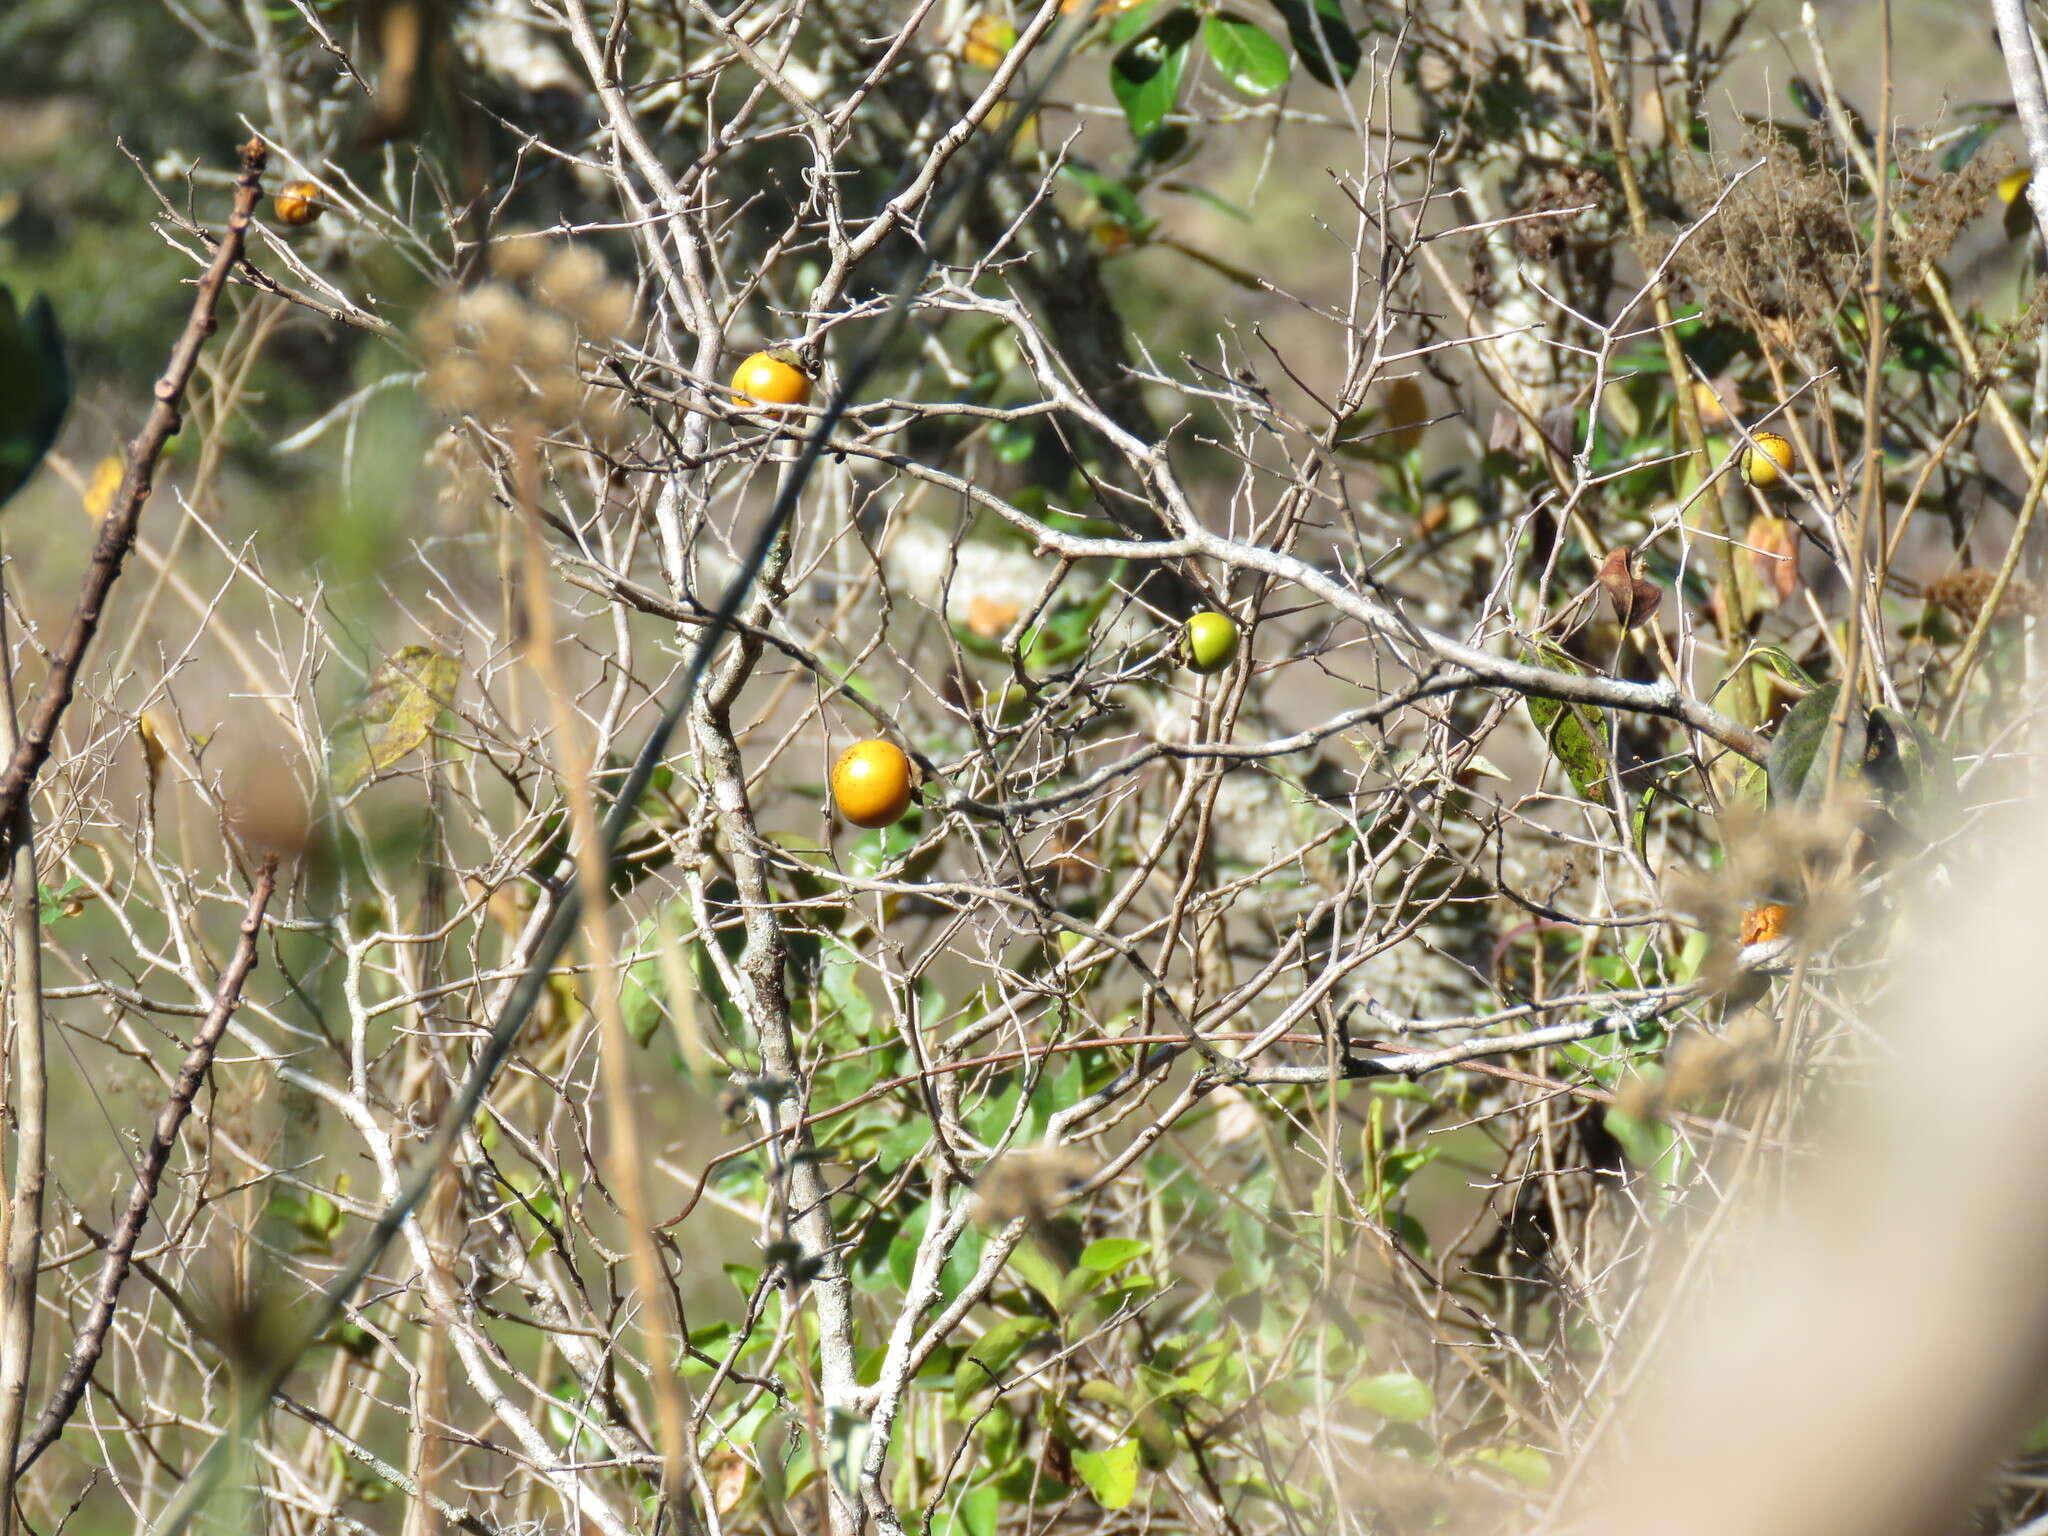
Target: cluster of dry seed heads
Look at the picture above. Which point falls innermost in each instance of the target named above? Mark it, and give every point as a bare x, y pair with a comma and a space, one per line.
1964, 593
501, 354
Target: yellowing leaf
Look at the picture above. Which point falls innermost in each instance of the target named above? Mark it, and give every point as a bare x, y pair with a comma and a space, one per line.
406, 691
989, 39
1772, 547
1407, 410
99, 490
153, 752
1111, 1475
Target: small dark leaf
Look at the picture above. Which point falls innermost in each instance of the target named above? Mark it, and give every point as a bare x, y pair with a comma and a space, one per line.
35, 388
1504, 434
1964, 150
1164, 145
1915, 775
1807, 99
1321, 37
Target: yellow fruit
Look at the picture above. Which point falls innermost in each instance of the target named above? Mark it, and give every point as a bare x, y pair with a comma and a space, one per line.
988, 39
770, 378
1708, 402
1765, 464
871, 783
1211, 641
297, 203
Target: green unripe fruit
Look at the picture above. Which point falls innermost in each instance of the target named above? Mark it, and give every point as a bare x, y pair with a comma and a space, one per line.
1211, 641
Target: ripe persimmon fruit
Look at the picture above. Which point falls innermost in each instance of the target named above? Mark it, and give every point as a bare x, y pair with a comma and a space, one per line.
872, 783
1768, 462
773, 378
297, 203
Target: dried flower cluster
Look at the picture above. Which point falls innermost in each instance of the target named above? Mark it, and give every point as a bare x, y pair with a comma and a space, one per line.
503, 356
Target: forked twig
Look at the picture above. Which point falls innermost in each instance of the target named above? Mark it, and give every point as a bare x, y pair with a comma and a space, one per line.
92, 1337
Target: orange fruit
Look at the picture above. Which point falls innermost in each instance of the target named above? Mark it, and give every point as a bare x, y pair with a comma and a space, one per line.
1764, 465
770, 378
1762, 924
871, 783
1710, 400
297, 203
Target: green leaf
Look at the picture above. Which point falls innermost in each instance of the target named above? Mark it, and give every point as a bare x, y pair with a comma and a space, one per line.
1116, 199
983, 1361
974, 1515
1040, 1273
1128, 24
52, 905
1108, 1255
958, 1272
1250, 60
1398, 1396
841, 977
903, 1250
1964, 150
323, 1216
1165, 145
407, 690
1780, 662
1889, 753
1654, 1148
1576, 736
1222, 205
1321, 36
1524, 1463
1014, 441
1145, 76
35, 388
1111, 1475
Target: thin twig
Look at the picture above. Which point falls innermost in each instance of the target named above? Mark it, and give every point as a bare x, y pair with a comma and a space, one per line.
138, 478
92, 1336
